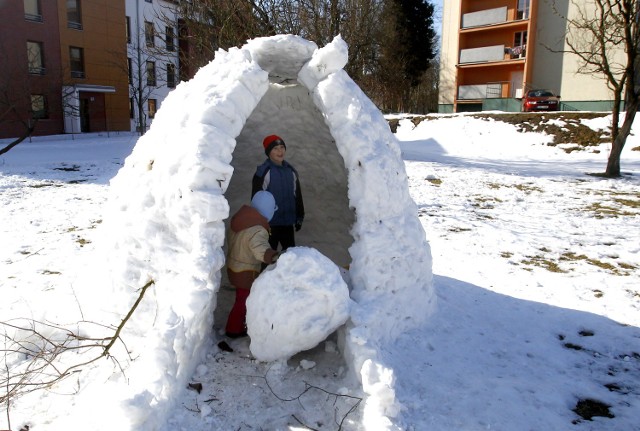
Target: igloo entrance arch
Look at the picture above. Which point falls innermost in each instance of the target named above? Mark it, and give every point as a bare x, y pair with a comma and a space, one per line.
287, 110
193, 168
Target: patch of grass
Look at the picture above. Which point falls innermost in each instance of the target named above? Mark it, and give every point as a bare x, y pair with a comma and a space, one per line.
601, 211
528, 188
435, 181
628, 202
570, 150
506, 254
543, 262
633, 293
621, 269
636, 148
571, 256
67, 168
484, 216
83, 242
47, 272
458, 229
43, 185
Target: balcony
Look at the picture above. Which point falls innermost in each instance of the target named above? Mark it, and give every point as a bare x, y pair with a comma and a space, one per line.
488, 54
484, 17
490, 90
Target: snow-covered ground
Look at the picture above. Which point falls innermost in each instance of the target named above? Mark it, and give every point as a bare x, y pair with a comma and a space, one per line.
536, 269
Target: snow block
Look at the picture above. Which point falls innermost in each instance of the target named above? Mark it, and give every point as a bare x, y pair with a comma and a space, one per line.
296, 304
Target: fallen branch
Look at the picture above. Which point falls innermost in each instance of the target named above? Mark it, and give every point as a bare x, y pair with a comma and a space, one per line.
309, 387
45, 352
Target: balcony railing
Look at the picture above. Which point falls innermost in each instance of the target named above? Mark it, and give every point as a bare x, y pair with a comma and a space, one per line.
490, 90
487, 54
484, 17
483, 54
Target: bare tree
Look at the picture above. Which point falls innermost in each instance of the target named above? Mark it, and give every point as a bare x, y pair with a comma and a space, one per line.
207, 25
15, 104
365, 25
605, 35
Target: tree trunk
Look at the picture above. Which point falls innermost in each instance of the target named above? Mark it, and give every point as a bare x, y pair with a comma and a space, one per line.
613, 165
29, 130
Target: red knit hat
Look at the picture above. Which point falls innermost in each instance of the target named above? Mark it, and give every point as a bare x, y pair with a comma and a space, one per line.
270, 142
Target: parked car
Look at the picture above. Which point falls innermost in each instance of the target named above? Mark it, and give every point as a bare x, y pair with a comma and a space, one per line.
540, 100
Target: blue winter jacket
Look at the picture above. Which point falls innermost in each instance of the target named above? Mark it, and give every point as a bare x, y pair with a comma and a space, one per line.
284, 185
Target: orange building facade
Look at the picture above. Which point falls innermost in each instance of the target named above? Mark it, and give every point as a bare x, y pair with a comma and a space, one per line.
93, 51
493, 51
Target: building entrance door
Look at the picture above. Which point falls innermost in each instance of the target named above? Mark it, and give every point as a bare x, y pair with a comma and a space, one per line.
517, 84
92, 112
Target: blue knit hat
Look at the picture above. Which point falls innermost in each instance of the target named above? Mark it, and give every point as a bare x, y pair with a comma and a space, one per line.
265, 203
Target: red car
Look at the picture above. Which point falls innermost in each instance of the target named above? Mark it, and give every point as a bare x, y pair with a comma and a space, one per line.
540, 100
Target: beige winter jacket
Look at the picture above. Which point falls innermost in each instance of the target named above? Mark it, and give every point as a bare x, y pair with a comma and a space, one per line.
248, 241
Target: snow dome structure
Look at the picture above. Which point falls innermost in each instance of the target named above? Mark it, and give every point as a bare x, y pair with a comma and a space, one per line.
193, 169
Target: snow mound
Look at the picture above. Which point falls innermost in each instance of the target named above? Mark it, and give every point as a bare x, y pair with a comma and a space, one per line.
296, 304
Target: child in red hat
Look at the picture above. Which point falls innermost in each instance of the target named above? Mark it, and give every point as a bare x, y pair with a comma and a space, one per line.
279, 177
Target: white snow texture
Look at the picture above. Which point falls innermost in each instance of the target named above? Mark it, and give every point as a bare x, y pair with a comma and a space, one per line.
305, 279
169, 203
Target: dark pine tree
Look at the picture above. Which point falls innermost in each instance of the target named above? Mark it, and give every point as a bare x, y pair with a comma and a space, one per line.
415, 36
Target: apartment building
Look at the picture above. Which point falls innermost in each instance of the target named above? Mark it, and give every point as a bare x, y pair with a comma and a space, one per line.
30, 69
59, 70
76, 66
92, 42
493, 51
152, 56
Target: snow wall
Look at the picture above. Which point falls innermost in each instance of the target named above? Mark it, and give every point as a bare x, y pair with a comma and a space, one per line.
193, 169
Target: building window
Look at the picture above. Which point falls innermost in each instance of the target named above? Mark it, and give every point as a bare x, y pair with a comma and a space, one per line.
130, 70
149, 33
39, 107
76, 61
171, 75
152, 107
170, 38
32, 11
35, 57
151, 73
523, 9
131, 107
128, 29
74, 15
520, 38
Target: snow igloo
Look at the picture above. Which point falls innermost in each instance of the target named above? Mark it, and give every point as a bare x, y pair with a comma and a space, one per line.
193, 168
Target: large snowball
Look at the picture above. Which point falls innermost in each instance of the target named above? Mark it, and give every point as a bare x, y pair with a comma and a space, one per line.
295, 304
